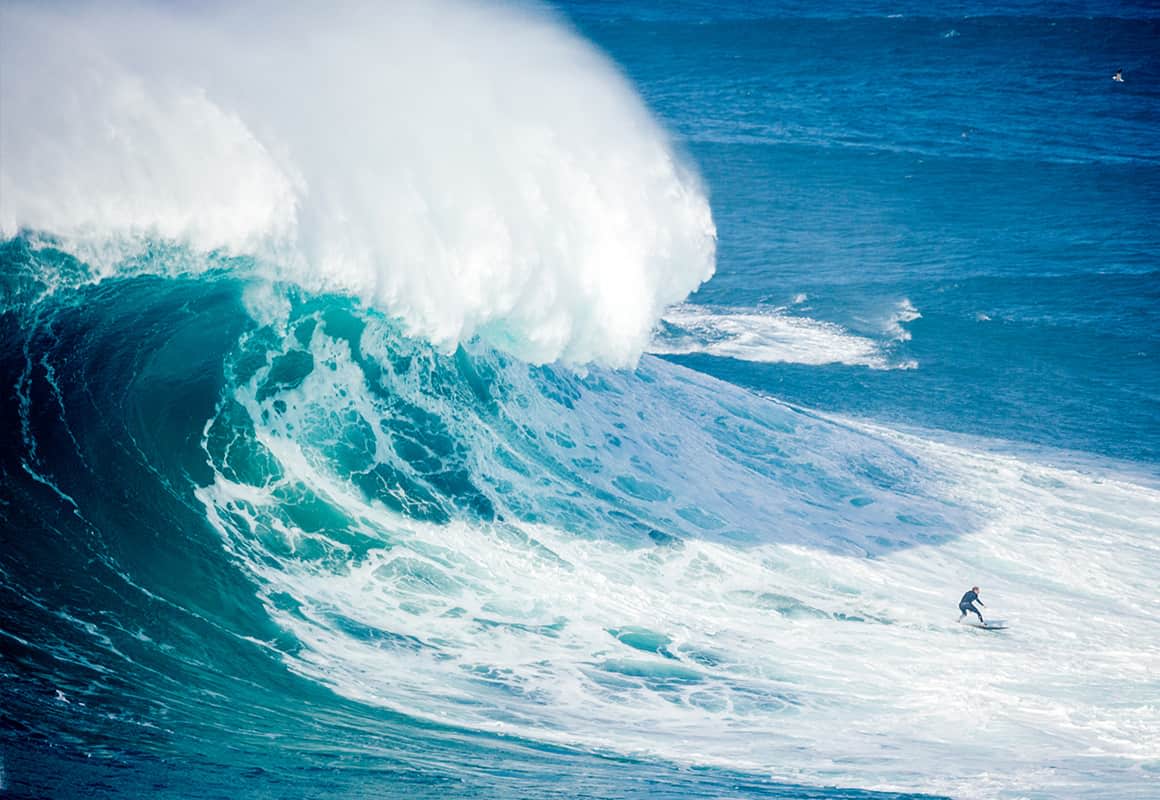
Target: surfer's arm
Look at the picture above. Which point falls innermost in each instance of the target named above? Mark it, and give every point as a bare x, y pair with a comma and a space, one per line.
980, 602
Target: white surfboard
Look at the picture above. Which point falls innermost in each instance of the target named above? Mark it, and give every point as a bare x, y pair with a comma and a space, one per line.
990, 625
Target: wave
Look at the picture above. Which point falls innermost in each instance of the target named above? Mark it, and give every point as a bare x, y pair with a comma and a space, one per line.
651, 564
775, 336
405, 156
293, 452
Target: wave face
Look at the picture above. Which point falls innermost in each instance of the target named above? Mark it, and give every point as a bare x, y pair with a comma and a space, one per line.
404, 155
229, 518
320, 474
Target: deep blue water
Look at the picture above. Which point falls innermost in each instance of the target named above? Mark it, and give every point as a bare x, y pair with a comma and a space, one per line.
261, 539
978, 161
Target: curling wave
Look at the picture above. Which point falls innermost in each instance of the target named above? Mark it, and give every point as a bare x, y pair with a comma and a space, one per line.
295, 494
289, 519
404, 155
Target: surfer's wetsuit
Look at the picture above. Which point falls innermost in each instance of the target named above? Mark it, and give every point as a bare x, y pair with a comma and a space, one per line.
967, 605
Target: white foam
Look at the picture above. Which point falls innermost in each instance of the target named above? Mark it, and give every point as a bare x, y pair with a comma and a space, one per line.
767, 336
904, 312
469, 168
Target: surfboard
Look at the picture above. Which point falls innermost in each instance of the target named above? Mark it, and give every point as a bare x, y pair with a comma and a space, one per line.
993, 625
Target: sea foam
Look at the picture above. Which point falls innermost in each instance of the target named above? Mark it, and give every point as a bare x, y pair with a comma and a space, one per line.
775, 336
467, 169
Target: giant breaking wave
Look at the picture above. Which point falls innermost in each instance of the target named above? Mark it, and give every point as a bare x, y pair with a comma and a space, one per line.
288, 486
470, 169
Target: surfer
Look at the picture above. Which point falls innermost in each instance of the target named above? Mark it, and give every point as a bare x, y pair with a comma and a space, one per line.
967, 605
1119, 76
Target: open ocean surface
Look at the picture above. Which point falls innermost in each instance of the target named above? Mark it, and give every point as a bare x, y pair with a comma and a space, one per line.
611, 400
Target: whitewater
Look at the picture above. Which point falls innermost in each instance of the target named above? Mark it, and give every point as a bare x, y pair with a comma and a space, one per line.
534, 201
390, 410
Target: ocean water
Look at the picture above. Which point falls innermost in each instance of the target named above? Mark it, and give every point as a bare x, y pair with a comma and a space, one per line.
607, 400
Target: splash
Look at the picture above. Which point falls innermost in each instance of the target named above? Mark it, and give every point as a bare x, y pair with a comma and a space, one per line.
469, 170
772, 336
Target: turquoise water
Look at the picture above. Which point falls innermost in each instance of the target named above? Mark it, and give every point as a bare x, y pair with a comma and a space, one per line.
610, 401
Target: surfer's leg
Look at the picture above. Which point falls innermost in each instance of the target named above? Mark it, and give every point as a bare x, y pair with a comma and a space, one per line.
978, 614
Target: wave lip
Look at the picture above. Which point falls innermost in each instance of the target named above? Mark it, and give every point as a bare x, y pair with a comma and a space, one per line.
409, 156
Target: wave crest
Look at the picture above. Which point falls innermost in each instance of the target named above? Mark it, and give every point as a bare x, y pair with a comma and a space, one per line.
469, 170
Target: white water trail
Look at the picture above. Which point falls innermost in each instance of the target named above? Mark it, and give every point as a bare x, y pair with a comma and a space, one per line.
771, 336
468, 168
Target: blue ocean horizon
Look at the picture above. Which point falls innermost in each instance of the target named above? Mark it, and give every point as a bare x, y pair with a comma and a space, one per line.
595, 399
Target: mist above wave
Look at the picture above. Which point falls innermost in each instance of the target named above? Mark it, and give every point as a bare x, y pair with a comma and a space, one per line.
468, 169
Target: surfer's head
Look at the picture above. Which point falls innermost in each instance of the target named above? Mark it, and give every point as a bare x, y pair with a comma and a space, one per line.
975, 589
